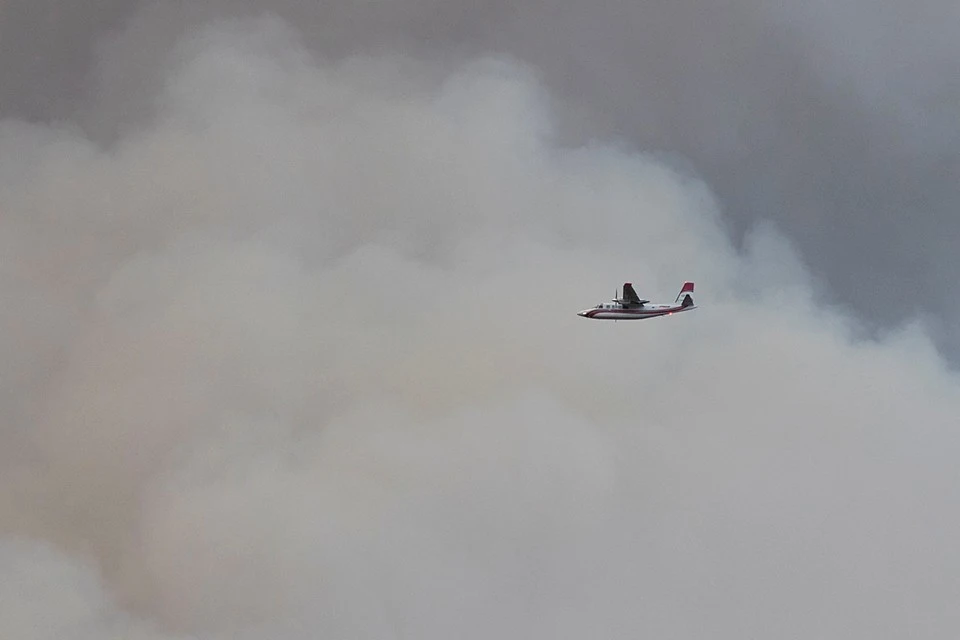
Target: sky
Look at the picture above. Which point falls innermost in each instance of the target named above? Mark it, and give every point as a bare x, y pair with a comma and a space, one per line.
835, 121
290, 344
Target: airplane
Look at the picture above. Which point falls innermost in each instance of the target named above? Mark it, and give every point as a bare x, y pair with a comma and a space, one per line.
632, 307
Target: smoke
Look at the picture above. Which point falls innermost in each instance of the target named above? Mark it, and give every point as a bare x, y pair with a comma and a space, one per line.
296, 355
833, 120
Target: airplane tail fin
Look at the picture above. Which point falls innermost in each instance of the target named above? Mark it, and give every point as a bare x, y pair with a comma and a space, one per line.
686, 294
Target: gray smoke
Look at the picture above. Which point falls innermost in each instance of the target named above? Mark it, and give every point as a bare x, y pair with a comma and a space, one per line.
836, 121
291, 352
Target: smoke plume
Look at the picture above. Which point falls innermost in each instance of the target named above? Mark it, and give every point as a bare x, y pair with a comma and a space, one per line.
291, 352
835, 121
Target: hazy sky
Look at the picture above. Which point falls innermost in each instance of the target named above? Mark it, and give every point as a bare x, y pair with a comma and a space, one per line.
289, 333
835, 120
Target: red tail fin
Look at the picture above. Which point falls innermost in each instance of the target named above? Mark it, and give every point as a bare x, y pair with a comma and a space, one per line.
686, 293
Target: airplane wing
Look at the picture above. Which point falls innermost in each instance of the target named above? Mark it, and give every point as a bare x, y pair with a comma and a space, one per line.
630, 296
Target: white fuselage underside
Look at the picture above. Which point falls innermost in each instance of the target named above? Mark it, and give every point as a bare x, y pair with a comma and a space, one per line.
617, 312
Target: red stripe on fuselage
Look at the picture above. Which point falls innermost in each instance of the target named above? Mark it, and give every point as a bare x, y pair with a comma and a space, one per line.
637, 313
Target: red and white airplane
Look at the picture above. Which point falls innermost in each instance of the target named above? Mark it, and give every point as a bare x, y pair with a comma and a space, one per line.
631, 307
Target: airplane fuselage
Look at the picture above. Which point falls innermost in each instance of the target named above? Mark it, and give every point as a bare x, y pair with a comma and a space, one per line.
633, 307
615, 311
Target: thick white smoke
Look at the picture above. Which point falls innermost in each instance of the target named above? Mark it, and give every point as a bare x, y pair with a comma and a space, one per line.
299, 359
